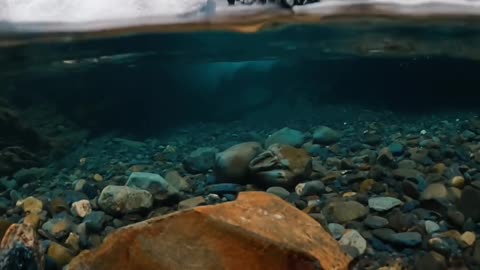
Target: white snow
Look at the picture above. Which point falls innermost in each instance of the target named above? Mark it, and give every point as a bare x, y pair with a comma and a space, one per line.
75, 11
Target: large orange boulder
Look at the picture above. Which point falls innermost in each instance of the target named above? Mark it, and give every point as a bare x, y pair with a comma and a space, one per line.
257, 231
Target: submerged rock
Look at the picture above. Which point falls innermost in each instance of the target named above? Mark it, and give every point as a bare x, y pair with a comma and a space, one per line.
20, 249
232, 164
281, 165
124, 200
201, 160
286, 136
263, 232
325, 135
153, 183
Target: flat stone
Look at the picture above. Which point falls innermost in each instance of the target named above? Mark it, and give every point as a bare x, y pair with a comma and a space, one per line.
224, 188
279, 191
124, 200
286, 136
375, 222
382, 204
406, 173
262, 230
353, 238
409, 239
344, 211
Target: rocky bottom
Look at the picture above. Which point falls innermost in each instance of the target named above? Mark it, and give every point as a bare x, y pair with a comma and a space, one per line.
395, 192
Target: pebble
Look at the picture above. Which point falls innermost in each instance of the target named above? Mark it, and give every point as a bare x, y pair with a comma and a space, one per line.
375, 222
60, 255
151, 182
81, 208
434, 191
385, 157
431, 227
97, 177
59, 226
457, 181
124, 200
353, 238
468, 238
396, 148
31, 205
94, 221
336, 230
409, 239
344, 211
382, 204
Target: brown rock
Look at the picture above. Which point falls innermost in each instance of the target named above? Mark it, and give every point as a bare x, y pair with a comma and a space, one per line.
257, 231
20, 246
31, 205
60, 255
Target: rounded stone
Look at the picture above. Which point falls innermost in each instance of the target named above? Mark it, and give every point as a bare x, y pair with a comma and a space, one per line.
286, 136
124, 200
353, 238
336, 230
457, 181
325, 135
431, 227
344, 211
375, 222
434, 191
468, 238
81, 208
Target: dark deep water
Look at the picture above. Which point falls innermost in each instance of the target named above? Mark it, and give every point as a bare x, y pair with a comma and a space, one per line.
403, 103
164, 80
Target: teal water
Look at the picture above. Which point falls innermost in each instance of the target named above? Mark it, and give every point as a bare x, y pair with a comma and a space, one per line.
128, 100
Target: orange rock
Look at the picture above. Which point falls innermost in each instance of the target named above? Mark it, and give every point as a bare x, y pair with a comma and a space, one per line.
257, 231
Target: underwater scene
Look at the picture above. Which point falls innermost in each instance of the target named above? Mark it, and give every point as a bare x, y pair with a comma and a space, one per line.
330, 140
